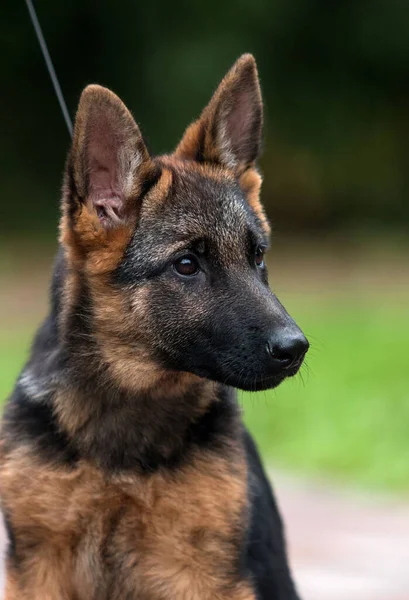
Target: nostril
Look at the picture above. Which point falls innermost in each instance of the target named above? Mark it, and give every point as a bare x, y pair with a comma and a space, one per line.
278, 354
285, 357
287, 348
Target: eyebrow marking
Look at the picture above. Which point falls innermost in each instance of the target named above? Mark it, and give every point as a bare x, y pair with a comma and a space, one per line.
257, 240
200, 246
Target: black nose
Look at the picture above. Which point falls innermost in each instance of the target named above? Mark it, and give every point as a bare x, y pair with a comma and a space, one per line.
287, 348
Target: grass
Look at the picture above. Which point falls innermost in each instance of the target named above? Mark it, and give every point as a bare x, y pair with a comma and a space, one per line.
14, 346
347, 415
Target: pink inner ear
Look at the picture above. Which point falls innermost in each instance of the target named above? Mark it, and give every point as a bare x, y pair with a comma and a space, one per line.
241, 125
239, 118
104, 186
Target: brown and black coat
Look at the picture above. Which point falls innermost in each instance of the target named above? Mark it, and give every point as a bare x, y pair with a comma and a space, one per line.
125, 469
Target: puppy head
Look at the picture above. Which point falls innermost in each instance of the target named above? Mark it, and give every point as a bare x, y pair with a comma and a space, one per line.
169, 251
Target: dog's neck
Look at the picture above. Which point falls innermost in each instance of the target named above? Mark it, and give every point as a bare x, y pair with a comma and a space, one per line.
124, 430
127, 430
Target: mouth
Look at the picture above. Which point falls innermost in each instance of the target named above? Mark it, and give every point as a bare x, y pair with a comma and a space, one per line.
262, 383
269, 382
293, 370
248, 379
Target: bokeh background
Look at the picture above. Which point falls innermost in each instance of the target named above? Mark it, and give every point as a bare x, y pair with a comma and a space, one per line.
335, 79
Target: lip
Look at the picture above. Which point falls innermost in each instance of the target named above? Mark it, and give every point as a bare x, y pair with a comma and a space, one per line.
271, 381
293, 370
266, 383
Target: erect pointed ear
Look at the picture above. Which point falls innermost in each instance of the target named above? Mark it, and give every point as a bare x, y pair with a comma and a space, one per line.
108, 164
229, 130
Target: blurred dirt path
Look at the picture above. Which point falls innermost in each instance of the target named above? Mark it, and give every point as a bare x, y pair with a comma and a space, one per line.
345, 546
341, 547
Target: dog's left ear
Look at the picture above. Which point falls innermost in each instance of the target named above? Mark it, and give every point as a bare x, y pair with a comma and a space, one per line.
229, 130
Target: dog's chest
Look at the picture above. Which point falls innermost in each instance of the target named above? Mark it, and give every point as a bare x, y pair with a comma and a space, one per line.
150, 538
168, 539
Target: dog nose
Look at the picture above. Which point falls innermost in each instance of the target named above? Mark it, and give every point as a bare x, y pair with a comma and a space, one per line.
287, 348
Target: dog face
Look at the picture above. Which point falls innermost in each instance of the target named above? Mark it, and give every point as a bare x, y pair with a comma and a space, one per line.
169, 251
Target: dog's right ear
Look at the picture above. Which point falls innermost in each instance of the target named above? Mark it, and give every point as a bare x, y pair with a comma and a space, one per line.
228, 131
107, 168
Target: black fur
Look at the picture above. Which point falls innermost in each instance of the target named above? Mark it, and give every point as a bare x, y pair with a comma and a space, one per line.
12, 542
33, 423
265, 555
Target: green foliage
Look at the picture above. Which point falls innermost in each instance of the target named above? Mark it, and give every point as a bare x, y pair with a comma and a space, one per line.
334, 75
13, 353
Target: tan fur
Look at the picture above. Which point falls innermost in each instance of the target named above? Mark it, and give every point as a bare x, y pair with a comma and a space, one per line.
190, 142
73, 412
161, 190
212, 171
250, 182
176, 530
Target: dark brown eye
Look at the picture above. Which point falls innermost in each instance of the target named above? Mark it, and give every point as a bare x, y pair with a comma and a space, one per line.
186, 265
259, 257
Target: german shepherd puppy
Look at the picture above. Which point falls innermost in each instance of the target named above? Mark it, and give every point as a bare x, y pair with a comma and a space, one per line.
126, 472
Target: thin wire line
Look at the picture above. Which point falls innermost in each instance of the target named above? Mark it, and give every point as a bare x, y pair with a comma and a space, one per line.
49, 64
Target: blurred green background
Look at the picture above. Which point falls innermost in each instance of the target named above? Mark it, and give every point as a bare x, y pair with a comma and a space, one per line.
335, 78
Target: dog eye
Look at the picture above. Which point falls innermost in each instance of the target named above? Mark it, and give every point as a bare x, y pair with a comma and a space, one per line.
259, 256
186, 265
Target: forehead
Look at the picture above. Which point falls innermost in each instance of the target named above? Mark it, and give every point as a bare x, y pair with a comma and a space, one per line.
200, 204
187, 206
